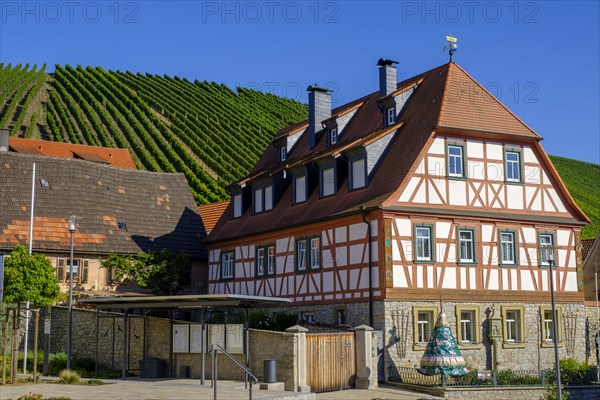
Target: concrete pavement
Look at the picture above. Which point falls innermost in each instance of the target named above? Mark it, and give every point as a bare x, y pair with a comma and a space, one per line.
188, 389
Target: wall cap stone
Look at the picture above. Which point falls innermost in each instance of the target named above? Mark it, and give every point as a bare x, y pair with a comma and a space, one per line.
296, 329
363, 328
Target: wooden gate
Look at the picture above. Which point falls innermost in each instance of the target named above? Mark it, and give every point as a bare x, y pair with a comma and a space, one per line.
330, 361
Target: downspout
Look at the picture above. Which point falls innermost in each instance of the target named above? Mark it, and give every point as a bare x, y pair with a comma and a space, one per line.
363, 214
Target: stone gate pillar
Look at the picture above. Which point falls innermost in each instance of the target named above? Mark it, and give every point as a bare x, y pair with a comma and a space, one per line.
495, 336
301, 370
366, 378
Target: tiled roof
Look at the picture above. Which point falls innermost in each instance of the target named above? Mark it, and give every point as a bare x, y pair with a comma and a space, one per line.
210, 214
121, 211
445, 96
115, 157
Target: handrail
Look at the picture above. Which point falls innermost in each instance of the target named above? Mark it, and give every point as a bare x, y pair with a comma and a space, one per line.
213, 352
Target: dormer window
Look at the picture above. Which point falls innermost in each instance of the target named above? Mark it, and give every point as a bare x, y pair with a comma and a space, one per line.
358, 173
391, 116
282, 153
333, 136
328, 184
237, 205
263, 199
299, 189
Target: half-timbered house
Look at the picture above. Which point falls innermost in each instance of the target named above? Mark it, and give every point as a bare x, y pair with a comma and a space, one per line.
427, 194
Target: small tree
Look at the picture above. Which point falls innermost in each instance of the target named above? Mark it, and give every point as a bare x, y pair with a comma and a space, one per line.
29, 278
160, 271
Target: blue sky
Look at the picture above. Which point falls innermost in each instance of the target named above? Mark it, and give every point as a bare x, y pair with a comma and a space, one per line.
541, 58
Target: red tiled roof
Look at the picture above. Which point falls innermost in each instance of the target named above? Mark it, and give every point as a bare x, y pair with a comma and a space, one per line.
113, 156
210, 214
446, 96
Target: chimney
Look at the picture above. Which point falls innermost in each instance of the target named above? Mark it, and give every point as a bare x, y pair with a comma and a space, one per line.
387, 76
319, 109
4, 134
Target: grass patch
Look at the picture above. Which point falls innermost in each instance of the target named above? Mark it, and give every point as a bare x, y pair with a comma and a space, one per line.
69, 377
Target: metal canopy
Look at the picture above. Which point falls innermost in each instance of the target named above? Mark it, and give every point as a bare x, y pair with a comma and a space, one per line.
194, 301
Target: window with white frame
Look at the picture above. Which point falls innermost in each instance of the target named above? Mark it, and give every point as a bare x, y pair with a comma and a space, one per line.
315, 253
282, 153
391, 116
227, 265
455, 161
466, 246
508, 251
268, 197
513, 166
467, 326
333, 136
299, 189
74, 269
424, 326
328, 181
548, 326
258, 200
548, 333
423, 243
260, 261
546, 249
60, 268
308, 253
513, 326
265, 260
85, 271
237, 205
359, 173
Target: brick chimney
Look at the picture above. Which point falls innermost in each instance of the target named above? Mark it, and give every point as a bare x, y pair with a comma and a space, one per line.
4, 135
387, 76
319, 109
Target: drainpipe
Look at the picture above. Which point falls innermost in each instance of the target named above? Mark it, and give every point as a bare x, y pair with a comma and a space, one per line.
363, 213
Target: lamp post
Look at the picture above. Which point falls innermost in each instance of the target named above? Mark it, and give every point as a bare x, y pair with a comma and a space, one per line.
72, 228
550, 259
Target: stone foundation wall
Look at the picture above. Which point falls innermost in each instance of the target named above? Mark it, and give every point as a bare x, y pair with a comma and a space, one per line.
592, 327
532, 356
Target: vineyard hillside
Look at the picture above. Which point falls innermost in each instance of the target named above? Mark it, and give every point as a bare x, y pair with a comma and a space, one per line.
212, 134
209, 132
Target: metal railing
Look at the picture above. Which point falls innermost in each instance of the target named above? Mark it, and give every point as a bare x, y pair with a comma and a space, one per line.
488, 378
213, 353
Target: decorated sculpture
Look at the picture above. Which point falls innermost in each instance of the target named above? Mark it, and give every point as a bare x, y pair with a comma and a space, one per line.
442, 355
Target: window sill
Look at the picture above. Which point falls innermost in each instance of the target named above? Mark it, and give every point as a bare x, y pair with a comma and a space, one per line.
456, 178
547, 266
424, 262
467, 263
419, 346
509, 265
506, 345
228, 279
519, 183
547, 345
474, 346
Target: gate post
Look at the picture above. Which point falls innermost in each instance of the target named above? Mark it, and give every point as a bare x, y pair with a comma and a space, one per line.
366, 378
301, 372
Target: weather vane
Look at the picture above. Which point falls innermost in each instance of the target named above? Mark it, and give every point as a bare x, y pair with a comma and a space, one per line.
452, 46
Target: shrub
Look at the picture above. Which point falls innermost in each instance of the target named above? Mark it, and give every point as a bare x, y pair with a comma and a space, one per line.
57, 363
31, 396
69, 377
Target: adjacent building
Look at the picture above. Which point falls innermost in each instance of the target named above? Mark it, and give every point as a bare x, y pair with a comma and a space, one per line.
425, 195
118, 210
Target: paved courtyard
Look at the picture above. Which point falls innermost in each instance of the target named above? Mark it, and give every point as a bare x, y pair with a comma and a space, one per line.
186, 389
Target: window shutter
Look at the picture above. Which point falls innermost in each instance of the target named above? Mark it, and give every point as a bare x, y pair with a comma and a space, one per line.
60, 269
84, 272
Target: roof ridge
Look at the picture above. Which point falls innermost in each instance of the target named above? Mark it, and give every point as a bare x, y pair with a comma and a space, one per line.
496, 100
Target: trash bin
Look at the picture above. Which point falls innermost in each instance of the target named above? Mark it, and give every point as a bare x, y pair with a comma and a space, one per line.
152, 368
270, 371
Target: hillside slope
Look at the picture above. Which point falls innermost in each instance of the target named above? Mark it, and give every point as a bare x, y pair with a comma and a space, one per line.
212, 134
203, 129
583, 181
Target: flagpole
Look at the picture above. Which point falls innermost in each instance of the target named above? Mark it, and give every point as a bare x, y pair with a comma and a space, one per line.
30, 250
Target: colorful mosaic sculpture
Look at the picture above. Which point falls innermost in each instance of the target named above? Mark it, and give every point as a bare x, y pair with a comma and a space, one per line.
442, 355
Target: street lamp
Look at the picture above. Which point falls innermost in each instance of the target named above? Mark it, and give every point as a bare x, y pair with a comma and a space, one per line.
550, 259
72, 228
